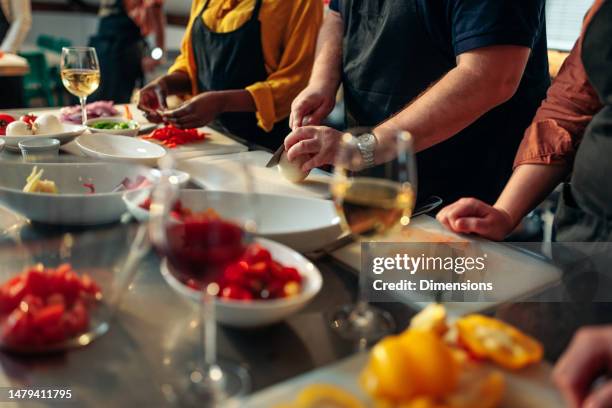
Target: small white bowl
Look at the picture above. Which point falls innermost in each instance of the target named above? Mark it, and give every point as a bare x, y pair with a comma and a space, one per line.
120, 148
132, 131
257, 313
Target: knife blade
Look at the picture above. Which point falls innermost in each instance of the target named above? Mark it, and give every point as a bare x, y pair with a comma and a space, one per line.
275, 159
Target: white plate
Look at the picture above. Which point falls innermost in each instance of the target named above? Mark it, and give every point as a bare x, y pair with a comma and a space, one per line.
120, 148
69, 133
304, 224
73, 205
256, 313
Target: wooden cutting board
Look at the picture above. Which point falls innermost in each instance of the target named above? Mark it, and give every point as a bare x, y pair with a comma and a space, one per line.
530, 388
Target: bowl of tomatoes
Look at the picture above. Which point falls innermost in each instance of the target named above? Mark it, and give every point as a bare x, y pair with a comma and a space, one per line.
269, 283
58, 292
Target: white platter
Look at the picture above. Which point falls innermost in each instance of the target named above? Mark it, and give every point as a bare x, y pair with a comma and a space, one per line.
70, 132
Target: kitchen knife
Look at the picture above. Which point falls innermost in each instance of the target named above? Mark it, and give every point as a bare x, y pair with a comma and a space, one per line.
275, 159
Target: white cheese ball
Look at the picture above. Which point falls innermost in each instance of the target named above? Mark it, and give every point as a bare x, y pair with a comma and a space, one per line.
292, 171
47, 124
18, 128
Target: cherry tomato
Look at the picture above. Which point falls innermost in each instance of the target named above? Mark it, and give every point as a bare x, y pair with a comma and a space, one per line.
4, 122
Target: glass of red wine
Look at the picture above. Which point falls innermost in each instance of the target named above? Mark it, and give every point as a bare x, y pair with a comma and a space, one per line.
196, 246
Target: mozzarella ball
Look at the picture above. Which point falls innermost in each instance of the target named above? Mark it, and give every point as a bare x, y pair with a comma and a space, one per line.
47, 124
292, 171
18, 128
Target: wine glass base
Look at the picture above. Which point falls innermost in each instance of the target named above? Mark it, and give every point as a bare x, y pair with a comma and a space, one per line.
353, 322
226, 384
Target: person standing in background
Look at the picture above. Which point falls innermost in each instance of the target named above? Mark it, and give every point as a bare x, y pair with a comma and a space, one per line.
15, 22
121, 46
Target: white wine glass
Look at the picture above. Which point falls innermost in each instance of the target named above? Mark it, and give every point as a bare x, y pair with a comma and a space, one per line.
372, 202
80, 71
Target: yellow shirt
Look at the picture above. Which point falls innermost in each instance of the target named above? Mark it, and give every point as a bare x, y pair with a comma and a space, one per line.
289, 31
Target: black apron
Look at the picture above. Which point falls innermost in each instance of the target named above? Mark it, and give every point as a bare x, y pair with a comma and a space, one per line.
120, 48
585, 210
234, 60
4, 25
11, 88
389, 58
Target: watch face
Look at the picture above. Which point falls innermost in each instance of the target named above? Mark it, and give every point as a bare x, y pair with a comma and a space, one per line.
367, 140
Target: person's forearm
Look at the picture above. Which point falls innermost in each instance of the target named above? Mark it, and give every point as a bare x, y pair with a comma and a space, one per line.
18, 31
327, 67
528, 186
449, 106
177, 83
238, 100
160, 28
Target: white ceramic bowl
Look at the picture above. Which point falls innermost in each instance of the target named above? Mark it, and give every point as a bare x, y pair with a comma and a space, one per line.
132, 131
257, 313
120, 148
2, 144
67, 135
304, 224
73, 205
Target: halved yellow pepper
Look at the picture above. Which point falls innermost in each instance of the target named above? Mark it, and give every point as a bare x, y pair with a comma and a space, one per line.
416, 363
500, 342
432, 318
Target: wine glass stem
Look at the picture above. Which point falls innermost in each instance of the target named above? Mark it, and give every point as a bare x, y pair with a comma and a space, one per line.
83, 100
207, 358
362, 303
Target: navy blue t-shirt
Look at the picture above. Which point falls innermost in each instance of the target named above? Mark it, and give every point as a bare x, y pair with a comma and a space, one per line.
458, 26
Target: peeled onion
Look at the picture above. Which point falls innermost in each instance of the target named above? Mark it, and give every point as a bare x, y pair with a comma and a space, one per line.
18, 128
292, 171
47, 124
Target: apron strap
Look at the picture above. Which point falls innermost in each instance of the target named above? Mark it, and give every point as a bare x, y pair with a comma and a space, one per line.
256, 9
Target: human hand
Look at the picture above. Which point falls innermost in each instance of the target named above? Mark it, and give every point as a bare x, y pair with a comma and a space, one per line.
588, 357
313, 145
311, 106
152, 99
197, 112
149, 64
472, 216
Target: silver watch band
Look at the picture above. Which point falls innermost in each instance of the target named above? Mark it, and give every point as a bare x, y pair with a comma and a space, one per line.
366, 144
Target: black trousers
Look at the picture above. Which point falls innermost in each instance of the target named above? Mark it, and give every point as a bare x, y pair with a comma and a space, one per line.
120, 67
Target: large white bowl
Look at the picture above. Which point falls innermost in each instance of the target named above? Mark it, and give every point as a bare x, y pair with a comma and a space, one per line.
304, 224
257, 313
120, 148
132, 131
73, 205
67, 135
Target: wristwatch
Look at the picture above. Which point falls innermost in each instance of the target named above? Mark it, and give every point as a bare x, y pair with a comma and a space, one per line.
366, 144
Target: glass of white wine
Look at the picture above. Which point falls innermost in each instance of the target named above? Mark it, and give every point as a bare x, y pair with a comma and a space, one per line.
371, 202
80, 72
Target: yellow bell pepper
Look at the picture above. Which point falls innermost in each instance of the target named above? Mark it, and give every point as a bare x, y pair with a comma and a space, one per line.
495, 340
